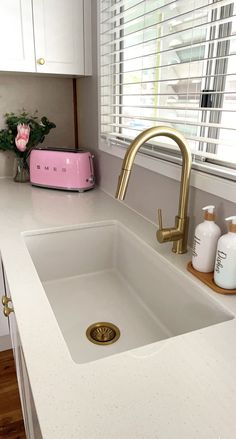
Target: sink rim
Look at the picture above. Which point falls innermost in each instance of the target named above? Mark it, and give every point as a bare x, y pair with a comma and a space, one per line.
183, 274
202, 287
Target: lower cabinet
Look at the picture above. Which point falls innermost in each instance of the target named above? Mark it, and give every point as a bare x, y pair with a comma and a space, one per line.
32, 428
5, 342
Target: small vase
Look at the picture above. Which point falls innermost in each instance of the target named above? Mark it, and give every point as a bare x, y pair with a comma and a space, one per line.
22, 171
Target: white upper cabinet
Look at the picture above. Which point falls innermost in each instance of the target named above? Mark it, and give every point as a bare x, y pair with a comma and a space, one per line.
59, 36
46, 36
16, 36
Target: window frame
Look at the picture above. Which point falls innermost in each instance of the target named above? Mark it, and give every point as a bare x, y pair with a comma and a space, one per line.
206, 174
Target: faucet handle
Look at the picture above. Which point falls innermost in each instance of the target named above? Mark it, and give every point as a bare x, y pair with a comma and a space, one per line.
159, 218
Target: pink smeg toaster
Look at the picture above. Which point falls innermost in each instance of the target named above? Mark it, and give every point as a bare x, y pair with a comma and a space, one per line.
58, 168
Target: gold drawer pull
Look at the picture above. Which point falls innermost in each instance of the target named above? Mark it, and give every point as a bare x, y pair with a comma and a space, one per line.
5, 300
7, 311
41, 61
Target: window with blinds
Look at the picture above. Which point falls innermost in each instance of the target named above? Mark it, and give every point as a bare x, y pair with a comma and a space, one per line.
170, 63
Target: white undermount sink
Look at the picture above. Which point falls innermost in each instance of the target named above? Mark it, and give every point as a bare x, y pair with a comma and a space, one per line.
104, 273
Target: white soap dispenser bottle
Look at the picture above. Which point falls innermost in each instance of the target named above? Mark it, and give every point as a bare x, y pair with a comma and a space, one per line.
225, 264
205, 242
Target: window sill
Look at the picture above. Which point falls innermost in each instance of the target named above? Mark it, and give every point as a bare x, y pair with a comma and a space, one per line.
221, 187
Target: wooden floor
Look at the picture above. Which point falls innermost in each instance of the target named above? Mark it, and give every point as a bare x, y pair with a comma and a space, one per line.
11, 420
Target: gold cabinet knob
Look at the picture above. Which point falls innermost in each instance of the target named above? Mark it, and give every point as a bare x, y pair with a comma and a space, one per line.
7, 311
41, 61
5, 300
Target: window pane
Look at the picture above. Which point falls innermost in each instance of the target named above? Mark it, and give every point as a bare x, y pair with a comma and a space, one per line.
170, 63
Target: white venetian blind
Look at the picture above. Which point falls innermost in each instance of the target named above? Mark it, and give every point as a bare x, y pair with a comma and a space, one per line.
169, 63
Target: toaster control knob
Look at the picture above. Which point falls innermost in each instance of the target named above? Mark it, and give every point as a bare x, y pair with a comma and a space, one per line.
91, 179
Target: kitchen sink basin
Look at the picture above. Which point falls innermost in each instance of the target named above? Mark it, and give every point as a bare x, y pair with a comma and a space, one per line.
103, 273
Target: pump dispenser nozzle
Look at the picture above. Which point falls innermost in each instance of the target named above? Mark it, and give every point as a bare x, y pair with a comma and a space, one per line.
232, 225
209, 214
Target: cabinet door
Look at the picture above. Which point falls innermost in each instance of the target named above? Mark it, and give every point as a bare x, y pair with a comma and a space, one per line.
16, 36
59, 36
31, 423
34, 431
4, 328
20, 379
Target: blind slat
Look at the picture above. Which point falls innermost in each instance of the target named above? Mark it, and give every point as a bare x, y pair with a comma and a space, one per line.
171, 80
206, 58
188, 93
172, 107
122, 14
207, 8
203, 26
154, 147
193, 138
180, 47
174, 121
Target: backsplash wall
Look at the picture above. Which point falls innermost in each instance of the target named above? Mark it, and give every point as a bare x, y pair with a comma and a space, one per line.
51, 96
147, 190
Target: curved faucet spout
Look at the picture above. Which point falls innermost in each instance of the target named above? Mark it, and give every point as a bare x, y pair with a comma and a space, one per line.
177, 234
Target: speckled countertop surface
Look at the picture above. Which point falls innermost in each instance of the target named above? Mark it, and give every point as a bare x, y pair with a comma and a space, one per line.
180, 388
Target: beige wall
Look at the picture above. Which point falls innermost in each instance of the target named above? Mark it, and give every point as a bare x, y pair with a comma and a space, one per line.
147, 190
52, 97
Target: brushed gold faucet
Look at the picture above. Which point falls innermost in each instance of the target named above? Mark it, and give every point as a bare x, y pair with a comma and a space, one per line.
179, 233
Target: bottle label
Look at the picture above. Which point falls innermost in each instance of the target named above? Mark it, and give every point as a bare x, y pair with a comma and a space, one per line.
220, 258
196, 243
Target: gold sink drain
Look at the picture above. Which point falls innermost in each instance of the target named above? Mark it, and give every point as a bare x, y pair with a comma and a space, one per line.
103, 333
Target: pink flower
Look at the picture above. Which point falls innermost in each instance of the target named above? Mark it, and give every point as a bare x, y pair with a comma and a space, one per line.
22, 138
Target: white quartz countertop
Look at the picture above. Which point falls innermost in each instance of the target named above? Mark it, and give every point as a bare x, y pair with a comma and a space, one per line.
180, 388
